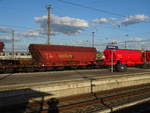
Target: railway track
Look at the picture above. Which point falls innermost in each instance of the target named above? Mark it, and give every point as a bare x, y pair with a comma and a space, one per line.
20, 69
32, 69
89, 103
85, 103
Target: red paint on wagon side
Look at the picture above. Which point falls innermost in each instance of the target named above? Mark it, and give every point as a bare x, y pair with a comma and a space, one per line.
60, 55
123, 56
146, 56
1, 46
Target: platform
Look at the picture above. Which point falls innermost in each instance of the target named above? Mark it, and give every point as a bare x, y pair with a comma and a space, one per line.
66, 83
19, 88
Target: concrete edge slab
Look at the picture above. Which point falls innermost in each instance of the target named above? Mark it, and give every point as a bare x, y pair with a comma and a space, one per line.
124, 106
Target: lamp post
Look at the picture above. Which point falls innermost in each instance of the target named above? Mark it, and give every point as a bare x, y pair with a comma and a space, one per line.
13, 44
93, 36
125, 43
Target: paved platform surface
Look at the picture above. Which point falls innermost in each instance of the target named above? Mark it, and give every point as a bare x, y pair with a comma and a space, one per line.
69, 75
31, 87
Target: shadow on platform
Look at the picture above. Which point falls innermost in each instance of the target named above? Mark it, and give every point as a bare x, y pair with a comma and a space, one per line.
26, 101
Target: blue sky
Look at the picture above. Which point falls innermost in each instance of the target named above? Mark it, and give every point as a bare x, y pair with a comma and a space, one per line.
111, 20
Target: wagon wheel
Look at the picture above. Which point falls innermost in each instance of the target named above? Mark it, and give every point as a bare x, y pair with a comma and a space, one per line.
121, 67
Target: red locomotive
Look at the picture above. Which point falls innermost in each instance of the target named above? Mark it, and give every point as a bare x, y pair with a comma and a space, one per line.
120, 59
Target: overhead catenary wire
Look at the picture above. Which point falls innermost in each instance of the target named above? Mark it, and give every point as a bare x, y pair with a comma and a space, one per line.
29, 27
91, 8
83, 6
88, 7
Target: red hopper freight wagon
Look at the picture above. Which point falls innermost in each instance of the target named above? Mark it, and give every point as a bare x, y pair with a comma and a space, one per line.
1, 46
121, 58
62, 56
